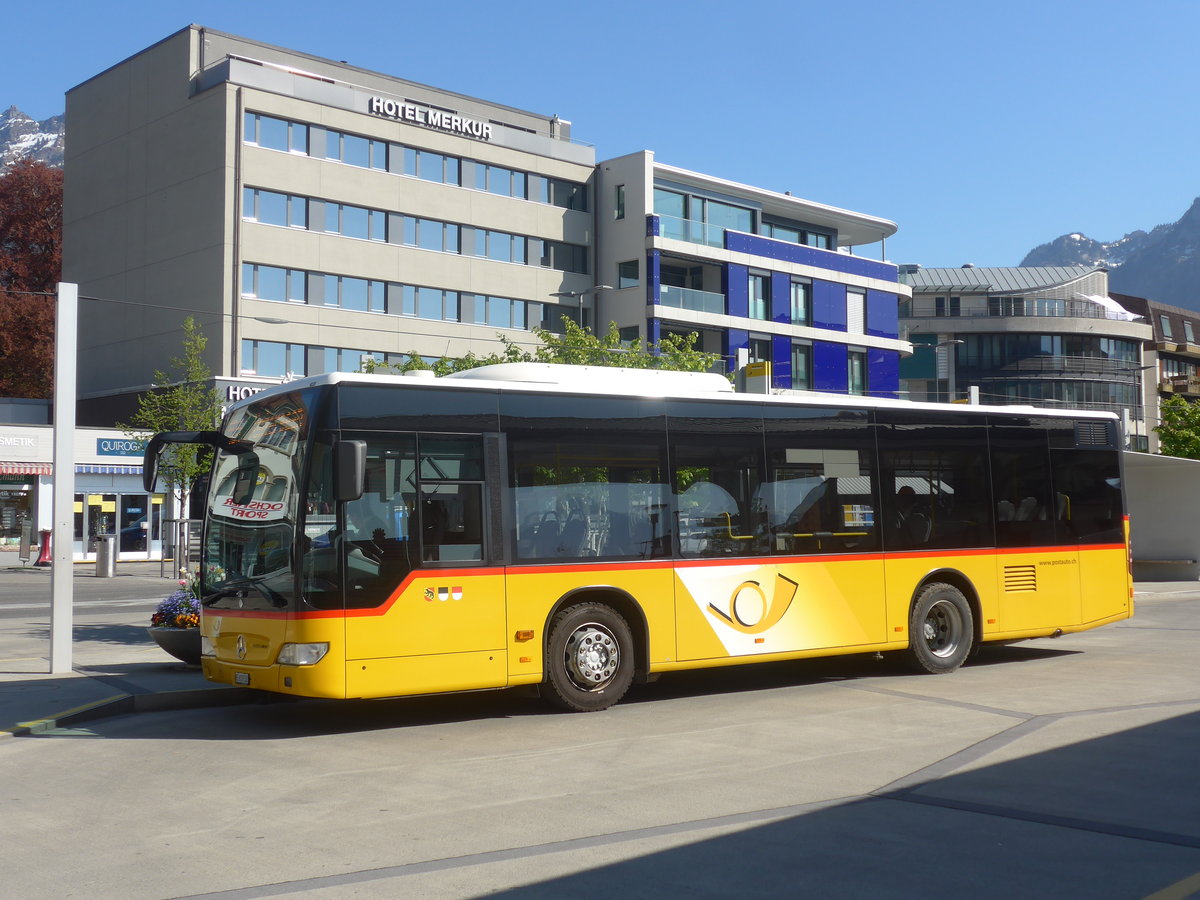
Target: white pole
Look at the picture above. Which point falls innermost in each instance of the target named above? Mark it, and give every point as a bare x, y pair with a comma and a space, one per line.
62, 574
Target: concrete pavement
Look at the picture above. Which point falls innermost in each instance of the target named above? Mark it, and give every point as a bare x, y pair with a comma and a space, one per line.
117, 668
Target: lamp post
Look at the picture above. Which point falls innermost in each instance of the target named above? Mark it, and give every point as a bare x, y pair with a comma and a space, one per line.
581, 294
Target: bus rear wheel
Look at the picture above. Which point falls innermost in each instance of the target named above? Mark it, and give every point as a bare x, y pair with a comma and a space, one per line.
589, 658
941, 629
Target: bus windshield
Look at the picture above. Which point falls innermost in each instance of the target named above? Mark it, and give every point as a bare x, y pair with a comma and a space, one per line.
253, 508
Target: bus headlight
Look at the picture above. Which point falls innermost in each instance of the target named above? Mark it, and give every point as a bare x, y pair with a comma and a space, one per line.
207, 647
302, 654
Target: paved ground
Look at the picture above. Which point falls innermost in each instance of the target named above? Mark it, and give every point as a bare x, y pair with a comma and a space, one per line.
1048, 769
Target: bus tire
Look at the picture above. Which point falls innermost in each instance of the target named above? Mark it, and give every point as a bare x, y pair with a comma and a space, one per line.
941, 629
589, 658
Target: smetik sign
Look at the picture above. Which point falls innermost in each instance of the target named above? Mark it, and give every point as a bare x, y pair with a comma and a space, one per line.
430, 118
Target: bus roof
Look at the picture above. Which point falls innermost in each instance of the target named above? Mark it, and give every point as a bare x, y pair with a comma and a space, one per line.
558, 378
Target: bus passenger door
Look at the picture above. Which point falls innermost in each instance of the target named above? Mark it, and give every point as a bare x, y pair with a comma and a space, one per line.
423, 614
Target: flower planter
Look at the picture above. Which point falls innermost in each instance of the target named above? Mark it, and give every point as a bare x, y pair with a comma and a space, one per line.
181, 643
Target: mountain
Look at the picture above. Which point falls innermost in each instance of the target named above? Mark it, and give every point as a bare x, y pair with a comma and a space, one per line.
1162, 264
21, 137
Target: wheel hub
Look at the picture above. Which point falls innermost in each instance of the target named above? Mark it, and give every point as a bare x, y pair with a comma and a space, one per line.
592, 656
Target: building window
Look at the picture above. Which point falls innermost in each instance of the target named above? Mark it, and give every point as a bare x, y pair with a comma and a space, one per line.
856, 372
1166, 327
627, 274
619, 202
760, 295
943, 308
760, 348
275, 134
429, 303
856, 312
429, 166
271, 358
499, 312
1188, 335
801, 302
274, 283
801, 367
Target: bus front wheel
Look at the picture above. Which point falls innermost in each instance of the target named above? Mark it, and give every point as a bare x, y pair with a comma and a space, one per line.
941, 629
589, 658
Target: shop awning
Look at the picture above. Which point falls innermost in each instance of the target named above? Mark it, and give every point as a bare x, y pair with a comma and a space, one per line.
27, 468
104, 469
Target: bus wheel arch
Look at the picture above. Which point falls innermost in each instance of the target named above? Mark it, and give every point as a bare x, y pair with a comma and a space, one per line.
944, 623
595, 646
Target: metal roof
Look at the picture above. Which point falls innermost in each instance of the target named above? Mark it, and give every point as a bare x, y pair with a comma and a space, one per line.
994, 279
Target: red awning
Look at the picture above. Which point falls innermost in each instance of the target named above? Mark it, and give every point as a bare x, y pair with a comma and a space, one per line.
26, 468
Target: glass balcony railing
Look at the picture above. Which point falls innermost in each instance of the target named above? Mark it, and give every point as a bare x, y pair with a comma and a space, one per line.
686, 298
692, 232
1006, 307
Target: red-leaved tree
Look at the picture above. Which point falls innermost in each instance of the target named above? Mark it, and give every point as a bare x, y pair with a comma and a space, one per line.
31, 204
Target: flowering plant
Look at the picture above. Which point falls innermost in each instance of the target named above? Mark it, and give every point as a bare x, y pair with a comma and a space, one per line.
181, 609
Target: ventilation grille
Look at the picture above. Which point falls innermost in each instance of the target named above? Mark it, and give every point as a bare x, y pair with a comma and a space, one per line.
1020, 578
1093, 434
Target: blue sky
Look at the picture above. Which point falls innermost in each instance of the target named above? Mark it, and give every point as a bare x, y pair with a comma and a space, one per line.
982, 130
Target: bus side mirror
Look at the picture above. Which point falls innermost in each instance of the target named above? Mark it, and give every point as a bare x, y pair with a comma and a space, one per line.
349, 469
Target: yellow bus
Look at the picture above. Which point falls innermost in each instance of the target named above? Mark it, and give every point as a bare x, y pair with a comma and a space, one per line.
585, 528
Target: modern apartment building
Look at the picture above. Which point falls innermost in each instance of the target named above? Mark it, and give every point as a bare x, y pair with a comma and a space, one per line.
1172, 356
309, 213
753, 271
1027, 335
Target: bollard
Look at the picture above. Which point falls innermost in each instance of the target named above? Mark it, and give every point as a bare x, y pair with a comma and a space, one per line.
45, 558
106, 555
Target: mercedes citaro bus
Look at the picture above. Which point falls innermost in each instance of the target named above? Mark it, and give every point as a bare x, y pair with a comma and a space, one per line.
585, 528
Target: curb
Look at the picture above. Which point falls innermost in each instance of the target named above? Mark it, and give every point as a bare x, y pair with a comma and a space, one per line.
124, 704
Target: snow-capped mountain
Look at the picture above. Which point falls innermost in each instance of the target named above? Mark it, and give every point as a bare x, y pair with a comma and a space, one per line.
21, 137
1162, 264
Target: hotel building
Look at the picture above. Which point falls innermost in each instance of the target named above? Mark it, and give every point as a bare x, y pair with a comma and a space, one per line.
308, 213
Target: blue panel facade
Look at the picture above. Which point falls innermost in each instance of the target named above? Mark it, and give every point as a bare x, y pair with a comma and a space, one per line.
781, 297
653, 331
653, 276
829, 367
653, 226
781, 361
883, 373
883, 314
737, 289
829, 305
809, 256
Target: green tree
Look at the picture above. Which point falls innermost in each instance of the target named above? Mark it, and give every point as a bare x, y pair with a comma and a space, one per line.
575, 346
1179, 433
180, 400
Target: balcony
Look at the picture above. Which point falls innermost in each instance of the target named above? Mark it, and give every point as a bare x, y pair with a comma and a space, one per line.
1181, 384
687, 298
1052, 365
1007, 307
692, 232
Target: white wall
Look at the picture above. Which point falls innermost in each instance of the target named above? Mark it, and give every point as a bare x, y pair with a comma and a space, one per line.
1163, 493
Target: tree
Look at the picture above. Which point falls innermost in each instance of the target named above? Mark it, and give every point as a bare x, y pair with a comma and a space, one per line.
30, 262
180, 401
576, 346
1179, 433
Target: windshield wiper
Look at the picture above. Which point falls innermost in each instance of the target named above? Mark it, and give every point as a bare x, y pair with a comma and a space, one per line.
239, 587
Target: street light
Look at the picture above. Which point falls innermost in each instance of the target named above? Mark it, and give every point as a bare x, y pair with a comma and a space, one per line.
581, 294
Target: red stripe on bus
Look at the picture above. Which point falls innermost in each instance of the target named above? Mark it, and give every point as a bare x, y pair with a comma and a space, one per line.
441, 575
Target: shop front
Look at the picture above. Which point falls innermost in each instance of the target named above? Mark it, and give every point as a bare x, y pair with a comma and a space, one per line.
107, 487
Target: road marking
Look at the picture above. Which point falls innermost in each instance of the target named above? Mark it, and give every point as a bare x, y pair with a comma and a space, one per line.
37, 726
1177, 891
81, 603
